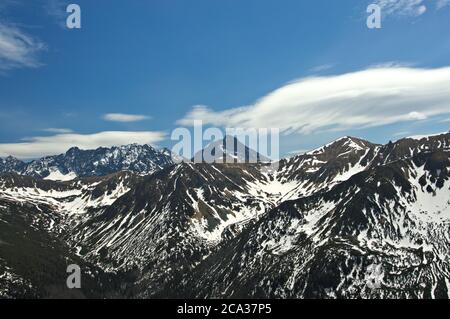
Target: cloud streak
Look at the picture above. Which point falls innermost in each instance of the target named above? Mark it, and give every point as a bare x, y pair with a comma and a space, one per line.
18, 49
56, 9
321, 68
57, 130
39, 146
367, 98
120, 117
412, 8
402, 7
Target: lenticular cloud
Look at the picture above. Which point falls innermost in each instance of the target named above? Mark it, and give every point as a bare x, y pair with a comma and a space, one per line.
367, 98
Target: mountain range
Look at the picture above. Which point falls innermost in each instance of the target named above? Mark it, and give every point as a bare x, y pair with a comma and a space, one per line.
140, 159
351, 219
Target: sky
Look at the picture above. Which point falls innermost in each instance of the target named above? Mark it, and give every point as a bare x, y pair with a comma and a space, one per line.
138, 69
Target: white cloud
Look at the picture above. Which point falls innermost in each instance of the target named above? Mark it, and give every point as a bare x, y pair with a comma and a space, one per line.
367, 98
49, 145
402, 7
120, 117
58, 130
417, 116
321, 68
412, 8
404, 133
56, 9
391, 64
18, 49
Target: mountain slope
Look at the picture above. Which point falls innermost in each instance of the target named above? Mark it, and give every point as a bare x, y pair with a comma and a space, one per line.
383, 233
33, 262
350, 220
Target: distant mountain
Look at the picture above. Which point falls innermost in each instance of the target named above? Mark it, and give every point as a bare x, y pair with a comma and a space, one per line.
229, 150
349, 220
11, 164
141, 159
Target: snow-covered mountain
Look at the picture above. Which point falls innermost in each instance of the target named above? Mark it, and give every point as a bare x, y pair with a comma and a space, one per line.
229, 150
350, 219
383, 233
141, 159
12, 165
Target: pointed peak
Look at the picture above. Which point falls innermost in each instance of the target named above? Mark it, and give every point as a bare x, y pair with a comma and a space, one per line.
11, 159
230, 150
346, 143
73, 149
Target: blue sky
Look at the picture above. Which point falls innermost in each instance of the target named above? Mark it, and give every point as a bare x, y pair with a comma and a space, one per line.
154, 61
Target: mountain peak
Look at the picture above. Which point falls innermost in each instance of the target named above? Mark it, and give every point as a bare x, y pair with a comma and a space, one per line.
11, 158
74, 149
11, 164
229, 150
343, 144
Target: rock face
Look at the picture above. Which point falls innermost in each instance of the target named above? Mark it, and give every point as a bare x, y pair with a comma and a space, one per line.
349, 220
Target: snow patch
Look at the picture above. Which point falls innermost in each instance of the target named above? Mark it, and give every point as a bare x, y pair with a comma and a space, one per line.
56, 175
